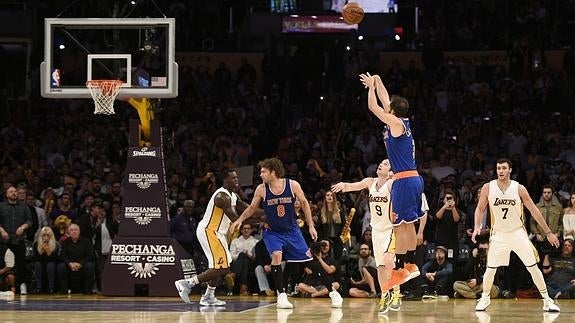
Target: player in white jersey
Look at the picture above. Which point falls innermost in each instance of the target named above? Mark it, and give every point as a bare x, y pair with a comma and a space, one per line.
383, 236
506, 199
223, 207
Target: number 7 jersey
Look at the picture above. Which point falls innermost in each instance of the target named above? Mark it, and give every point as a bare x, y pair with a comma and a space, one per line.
506, 207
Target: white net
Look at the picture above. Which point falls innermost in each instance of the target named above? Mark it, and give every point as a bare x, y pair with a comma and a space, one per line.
104, 93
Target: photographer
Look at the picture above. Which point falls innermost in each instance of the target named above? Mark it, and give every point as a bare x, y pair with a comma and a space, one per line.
446, 224
474, 270
319, 274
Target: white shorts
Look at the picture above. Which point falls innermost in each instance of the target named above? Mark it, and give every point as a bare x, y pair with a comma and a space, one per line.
502, 243
383, 242
215, 246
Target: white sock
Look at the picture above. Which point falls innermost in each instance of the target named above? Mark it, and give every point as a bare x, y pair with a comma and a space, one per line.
539, 281
193, 280
488, 279
210, 291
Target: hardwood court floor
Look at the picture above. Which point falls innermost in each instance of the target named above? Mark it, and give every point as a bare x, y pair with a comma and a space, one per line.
79, 308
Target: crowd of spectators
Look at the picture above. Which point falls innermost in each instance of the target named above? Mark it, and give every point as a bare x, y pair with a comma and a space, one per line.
464, 117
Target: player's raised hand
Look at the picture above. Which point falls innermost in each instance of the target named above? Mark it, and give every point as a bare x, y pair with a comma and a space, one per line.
367, 80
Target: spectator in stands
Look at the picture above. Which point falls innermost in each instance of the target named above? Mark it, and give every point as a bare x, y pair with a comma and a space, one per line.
63, 207
320, 273
89, 221
47, 252
243, 258
474, 269
22, 191
86, 204
42, 221
368, 285
552, 211
15, 219
77, 260
263, 269
446, 221
569, 218
365, 238
436, 274
106, 229
560, 272
332, 219
183, 228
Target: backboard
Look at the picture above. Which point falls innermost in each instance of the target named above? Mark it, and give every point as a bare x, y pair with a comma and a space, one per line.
138, 51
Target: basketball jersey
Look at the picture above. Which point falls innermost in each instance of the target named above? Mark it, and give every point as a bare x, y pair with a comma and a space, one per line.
214, 217
506, 207
379, 206
400, 150
279, 208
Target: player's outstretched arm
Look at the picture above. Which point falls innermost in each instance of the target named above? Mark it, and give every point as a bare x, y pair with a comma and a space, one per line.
395, 124
352, 187
258, 215
250, 210
536, 214
382, 93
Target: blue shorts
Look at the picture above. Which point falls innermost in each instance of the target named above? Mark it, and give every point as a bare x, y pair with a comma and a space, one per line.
406, 199
290, 243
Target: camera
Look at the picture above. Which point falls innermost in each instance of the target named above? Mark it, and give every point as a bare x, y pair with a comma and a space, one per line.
316, 247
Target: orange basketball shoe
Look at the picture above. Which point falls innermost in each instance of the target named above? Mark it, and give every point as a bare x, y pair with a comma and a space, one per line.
398, 277
413, 270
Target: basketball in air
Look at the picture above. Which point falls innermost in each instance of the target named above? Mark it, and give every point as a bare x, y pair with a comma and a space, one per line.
352, 13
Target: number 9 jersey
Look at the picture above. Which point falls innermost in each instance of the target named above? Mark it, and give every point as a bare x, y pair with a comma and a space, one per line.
379, 206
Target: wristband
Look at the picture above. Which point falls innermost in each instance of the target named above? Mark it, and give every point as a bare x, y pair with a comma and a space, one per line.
547, 233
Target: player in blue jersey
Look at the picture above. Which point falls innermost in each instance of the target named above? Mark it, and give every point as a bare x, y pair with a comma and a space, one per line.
282, 236
407, 187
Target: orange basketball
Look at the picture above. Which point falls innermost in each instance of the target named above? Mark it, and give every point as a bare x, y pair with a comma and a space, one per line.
352, 13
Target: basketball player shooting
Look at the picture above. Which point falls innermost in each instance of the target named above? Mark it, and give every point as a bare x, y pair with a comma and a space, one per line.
407, 189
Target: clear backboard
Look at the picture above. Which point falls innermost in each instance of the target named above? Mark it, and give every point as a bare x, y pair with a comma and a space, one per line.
138, 51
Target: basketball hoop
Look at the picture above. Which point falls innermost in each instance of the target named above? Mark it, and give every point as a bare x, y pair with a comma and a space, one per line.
104, 93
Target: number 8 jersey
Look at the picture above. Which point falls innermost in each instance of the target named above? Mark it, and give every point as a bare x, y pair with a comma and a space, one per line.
506, 207
279, 208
